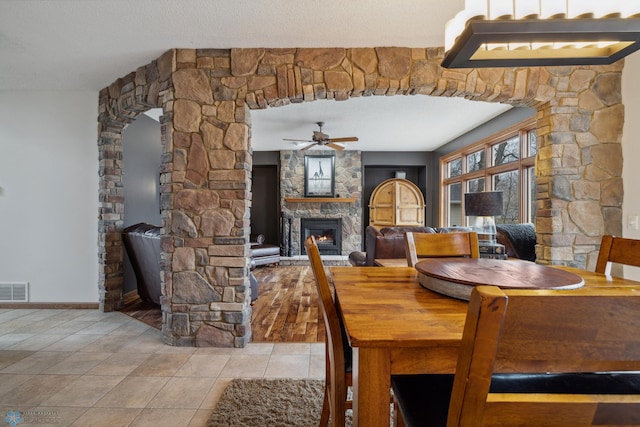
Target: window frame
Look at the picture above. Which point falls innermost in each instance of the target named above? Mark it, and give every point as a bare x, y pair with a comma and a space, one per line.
521, 130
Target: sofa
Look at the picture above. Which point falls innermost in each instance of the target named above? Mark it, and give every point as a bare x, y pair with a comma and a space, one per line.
519, 241
388, 242
142, 243
263, 253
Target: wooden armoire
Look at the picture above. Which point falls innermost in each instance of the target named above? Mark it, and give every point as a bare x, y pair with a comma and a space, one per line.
396, 201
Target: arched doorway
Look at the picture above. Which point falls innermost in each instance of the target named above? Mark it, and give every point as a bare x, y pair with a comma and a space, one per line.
207, 95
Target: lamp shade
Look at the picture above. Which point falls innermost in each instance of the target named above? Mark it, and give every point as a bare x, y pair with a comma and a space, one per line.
488, 203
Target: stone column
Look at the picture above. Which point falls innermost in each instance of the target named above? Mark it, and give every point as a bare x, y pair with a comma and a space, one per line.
579, 164
207, 210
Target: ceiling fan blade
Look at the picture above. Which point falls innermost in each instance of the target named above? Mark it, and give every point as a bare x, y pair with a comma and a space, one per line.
346, 139
297, 140
309, 146
335, 146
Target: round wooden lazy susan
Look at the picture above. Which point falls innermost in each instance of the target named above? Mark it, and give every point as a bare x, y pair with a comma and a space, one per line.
456, 277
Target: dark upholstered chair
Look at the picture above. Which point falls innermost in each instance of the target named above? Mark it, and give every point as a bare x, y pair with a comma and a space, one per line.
142, 243
527, 357
263, 253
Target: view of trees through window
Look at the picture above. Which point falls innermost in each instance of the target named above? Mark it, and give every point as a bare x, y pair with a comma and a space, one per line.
512, 154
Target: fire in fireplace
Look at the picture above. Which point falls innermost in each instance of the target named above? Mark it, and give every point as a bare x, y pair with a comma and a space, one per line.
327, 231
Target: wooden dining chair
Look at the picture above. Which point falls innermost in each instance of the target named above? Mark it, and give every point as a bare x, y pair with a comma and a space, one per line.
437, 245
338, 353
617, 250
531, 357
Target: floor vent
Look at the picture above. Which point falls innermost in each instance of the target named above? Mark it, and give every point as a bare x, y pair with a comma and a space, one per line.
14, 292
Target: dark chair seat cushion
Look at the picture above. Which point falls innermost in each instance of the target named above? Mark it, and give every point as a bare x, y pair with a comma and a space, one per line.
426, 397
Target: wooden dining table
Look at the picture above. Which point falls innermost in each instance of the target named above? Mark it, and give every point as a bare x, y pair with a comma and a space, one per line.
396, 326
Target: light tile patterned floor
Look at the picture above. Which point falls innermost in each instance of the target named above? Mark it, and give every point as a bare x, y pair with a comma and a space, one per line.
87, 368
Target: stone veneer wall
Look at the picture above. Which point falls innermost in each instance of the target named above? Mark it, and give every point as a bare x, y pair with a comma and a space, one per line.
207, 95
348, 183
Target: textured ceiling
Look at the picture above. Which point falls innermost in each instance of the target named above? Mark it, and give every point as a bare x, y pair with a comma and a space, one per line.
84, 45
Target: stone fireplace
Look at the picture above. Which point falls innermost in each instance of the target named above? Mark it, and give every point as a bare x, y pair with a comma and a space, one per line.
346, 205
327, 232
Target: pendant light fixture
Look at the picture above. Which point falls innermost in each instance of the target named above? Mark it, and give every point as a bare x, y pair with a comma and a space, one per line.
528, 33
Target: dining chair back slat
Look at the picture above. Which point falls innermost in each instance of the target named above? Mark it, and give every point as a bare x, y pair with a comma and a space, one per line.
437, 245
338, 376
531, 357
617, 250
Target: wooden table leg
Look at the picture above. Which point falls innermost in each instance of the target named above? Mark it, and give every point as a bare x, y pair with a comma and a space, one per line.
371, 385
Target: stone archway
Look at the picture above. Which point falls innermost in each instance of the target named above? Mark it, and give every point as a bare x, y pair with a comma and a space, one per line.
207, 95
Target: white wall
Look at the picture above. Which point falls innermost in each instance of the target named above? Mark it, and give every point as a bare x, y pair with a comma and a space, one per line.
631, 150
49, 194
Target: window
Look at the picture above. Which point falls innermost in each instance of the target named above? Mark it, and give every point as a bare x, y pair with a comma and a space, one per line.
506, 151
509, 184
511, 154
475, 161
455, 168
454, 198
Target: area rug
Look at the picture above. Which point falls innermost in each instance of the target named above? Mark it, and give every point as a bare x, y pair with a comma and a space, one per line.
269, 402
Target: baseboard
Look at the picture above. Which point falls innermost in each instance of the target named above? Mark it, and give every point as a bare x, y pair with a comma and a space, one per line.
131, 297
52, 305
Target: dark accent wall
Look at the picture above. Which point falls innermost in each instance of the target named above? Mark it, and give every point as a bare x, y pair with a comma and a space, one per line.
265, 204
270, 158
383, 164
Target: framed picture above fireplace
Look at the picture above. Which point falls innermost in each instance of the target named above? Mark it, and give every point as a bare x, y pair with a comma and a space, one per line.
319, 176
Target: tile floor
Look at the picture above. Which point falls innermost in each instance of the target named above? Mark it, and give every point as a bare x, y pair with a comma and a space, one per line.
87, 368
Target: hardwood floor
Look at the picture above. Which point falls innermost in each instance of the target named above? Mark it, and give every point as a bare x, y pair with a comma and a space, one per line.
287, 307
286, 310
145, 312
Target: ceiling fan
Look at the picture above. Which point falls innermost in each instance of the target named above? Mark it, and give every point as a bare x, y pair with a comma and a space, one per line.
322, 139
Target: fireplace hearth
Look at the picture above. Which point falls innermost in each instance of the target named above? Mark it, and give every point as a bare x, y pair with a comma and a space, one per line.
327, 231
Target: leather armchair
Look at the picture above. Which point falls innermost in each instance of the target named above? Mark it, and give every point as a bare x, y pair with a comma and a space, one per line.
142, 243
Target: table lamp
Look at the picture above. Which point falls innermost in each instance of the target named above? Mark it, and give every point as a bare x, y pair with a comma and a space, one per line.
482, 207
